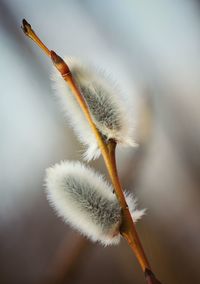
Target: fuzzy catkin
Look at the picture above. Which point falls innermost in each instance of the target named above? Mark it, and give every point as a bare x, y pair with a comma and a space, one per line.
105, 107
86, 201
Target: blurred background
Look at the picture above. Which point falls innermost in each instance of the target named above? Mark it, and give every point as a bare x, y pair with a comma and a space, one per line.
152, 50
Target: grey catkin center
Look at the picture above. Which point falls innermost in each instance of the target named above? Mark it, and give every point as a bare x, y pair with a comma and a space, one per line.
102, 211
101, 107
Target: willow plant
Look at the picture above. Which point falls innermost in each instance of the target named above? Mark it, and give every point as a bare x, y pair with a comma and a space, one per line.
83, 198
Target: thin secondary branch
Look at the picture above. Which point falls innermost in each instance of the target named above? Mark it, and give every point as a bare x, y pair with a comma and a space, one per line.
128, 230
67, 260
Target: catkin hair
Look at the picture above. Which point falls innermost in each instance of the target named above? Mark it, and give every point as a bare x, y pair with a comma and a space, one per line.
104, 104
86, 201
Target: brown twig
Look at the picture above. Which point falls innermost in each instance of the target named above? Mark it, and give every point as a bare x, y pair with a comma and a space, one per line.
128, 230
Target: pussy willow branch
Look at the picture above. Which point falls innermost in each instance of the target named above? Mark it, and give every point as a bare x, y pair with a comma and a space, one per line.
127, 229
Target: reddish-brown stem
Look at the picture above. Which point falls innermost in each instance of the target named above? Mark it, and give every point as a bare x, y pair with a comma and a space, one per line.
127, 229
108, 152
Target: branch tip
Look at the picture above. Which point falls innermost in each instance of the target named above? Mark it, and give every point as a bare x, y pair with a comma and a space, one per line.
150, 277
25, 27
28, 31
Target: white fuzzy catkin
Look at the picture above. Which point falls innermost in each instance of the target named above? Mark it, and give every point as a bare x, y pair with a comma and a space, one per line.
105, 106
86, 201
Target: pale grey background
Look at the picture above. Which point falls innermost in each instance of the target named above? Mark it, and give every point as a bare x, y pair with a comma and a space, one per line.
152, 49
